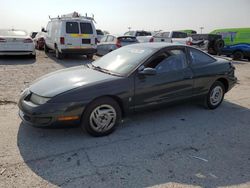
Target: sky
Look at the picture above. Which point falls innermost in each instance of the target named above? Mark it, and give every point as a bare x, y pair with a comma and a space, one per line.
116, 16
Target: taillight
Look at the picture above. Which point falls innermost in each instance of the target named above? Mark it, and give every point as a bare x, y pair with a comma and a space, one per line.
96, 41
118, 43
62, 41
151, 39
188, 43
28, 40
2, 40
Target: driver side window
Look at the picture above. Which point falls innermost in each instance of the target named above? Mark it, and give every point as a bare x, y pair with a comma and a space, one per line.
170, 60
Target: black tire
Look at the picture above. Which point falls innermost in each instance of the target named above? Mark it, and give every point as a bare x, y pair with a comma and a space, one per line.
219, 45
59, 55
208, 101
238, 55
248, 58
32, 56
90, 56
46, 48
87, 122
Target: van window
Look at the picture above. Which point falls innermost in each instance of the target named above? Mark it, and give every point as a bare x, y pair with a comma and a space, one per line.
86, 28
72, 27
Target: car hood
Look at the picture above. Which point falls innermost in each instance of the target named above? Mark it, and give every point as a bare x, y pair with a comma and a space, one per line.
60, 81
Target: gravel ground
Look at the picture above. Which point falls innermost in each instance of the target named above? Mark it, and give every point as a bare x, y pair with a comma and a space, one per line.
177, 146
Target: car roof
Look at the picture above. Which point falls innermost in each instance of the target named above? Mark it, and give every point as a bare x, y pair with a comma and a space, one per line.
155, 45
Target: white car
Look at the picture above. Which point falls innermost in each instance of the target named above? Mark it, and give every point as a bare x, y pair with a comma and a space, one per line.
172, 37
71, 34
16, 42
141, 36
100, 35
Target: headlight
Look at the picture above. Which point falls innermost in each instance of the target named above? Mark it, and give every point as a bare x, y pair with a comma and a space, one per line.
36, 99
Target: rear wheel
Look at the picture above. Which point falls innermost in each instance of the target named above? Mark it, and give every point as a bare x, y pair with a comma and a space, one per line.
215, 95
90, 56
33, 56
238, 55
101, 117
46, 48
59, 55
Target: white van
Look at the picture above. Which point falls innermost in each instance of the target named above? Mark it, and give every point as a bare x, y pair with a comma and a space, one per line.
71, 35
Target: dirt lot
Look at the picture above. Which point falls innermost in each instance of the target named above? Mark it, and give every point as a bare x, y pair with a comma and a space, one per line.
178, 146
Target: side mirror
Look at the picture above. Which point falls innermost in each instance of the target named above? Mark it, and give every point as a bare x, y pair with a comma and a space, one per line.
148, 71
43, 30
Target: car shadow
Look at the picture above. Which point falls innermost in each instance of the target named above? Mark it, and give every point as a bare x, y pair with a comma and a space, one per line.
16, 60
182, 144
69, 60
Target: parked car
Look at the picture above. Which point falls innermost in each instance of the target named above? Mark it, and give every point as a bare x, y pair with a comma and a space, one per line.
173, 36
110, 43
128, 79
237, 42
16, 42
39, 41
100, 35
141, 36
73, 34
33, 34
211, 43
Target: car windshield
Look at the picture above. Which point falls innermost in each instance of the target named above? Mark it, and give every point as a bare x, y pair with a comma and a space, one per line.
12, 33
122, 61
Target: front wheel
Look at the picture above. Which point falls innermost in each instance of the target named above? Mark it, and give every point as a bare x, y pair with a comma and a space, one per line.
215, 95
101, 117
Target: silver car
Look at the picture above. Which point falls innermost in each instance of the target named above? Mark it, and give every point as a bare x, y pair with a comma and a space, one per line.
110, 42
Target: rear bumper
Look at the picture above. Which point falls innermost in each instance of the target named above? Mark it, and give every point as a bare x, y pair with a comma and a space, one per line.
17, 53
81, 51
232, 82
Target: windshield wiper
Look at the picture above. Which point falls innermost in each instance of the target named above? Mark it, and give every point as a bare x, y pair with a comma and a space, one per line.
104, 70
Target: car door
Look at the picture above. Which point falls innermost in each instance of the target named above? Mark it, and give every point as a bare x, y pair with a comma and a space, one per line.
173, 79
73, 39
109, 44
203, 69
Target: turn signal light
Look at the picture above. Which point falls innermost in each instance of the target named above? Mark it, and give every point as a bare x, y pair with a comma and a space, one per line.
67, 118
28, 40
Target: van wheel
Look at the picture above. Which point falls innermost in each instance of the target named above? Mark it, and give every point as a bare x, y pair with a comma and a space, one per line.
101, 117
238, 55
46, 49
59, 55
90, 56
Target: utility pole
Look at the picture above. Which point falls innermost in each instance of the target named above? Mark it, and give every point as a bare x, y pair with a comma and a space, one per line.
201, 28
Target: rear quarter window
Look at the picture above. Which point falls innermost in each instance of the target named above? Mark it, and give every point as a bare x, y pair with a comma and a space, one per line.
127, 39
86, 28
72, 27
179, 35
200, 58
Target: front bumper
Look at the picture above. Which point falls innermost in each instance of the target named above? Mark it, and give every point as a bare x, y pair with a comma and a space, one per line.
48, 114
